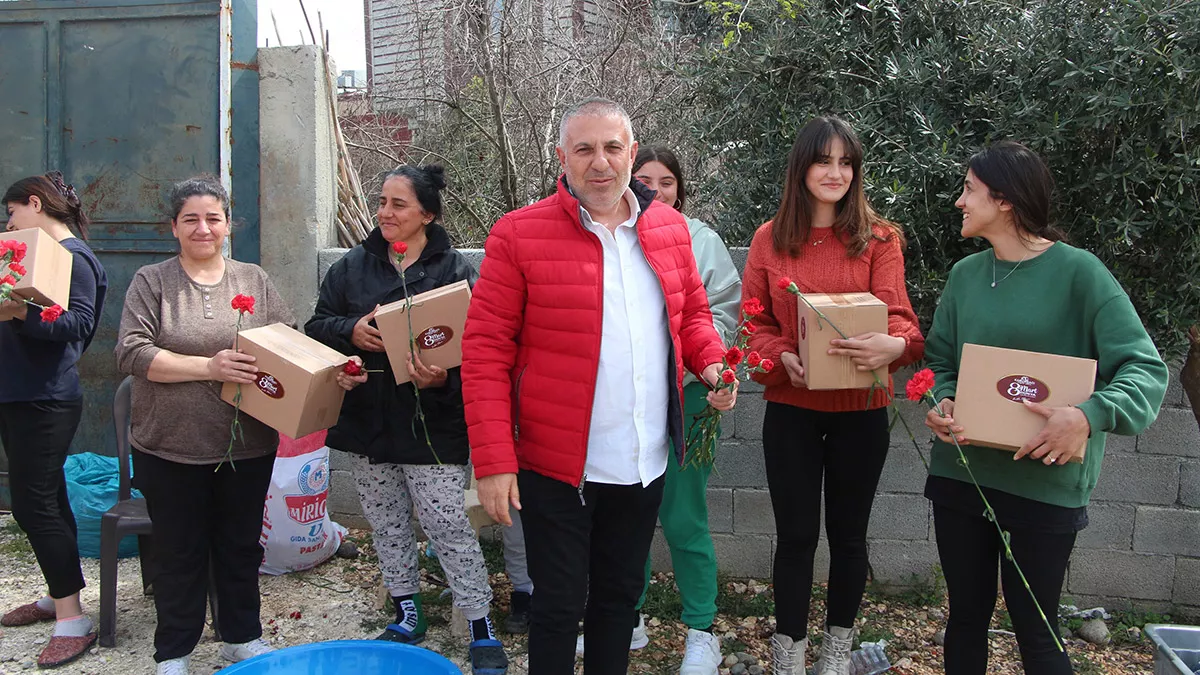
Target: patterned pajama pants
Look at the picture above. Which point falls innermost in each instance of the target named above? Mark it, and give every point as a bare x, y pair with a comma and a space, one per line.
388, 493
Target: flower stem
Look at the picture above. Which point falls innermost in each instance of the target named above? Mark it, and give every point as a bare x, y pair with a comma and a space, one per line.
1004, 536
235, 427
412, 351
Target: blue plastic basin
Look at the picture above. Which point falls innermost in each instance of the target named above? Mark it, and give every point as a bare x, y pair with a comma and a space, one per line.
347, 657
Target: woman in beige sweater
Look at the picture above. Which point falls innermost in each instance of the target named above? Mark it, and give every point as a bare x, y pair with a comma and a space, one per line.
204, 495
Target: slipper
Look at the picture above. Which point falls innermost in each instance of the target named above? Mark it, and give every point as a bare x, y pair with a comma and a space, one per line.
397, 633
63, 649
488, 657
26, 615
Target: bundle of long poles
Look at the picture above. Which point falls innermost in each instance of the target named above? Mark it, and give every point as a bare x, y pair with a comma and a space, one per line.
353, 215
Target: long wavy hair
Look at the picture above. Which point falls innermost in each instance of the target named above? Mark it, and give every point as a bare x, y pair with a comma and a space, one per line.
855, 221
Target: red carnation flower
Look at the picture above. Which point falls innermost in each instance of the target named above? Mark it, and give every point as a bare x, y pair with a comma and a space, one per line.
243, 303
784, 283
352, 369
8, 280
752, 307
50, 314
18, 269
920, 384
767, 365
753, 359
733, 356
399, 248
18, 249
748, 329
728, 376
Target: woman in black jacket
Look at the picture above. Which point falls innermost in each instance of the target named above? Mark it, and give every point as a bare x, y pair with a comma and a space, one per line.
395, 467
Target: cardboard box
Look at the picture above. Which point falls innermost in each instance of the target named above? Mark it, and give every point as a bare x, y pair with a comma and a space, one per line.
297, 391
438, 317
993, 381
855, 314
49, 266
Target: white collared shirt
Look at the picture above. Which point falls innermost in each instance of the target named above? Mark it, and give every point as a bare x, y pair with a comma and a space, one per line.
628, 442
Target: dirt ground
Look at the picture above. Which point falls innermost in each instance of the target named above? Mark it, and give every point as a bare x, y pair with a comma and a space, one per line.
340, 600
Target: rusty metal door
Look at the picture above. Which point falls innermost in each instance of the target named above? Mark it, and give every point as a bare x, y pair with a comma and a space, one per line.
126, 97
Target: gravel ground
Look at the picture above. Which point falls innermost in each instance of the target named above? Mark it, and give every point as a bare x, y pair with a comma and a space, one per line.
341, 600
337, 601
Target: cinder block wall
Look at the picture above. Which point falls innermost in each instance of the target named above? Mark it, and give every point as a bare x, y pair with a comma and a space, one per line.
1142, 548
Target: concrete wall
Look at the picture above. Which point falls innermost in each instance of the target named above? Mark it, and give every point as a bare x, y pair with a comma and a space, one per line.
1141, 549
298, 165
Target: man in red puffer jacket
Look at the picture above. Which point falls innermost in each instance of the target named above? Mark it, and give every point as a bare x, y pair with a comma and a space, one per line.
587, 309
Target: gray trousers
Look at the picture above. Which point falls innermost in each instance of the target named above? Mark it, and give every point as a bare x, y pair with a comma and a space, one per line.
515, 564
389, 493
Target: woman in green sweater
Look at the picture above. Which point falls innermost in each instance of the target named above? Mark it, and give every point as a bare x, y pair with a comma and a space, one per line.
1030, 291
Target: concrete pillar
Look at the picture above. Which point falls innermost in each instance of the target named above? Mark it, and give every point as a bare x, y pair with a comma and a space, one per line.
298, 172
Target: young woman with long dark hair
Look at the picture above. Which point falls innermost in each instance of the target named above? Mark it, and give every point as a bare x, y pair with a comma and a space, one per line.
1029, 290
41, 403
684, 509
825, 238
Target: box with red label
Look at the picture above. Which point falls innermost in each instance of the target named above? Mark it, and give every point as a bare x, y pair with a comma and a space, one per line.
993, 381
296, 392
48, 266
854, 314
437, 320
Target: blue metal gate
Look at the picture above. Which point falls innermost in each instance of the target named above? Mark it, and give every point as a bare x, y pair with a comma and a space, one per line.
126, 97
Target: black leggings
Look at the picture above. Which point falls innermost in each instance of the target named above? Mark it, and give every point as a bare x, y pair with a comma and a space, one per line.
848, 450
970, 550
37, 436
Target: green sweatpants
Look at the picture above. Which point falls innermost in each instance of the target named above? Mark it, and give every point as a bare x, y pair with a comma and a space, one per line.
684, 518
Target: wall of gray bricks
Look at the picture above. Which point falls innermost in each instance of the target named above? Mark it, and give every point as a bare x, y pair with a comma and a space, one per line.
1141, 550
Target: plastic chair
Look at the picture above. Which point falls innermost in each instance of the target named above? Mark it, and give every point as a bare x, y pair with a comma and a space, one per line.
128, 517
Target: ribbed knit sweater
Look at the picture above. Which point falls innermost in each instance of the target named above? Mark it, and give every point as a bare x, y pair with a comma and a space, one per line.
825, 268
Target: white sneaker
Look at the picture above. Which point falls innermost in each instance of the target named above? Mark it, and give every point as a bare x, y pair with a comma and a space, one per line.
835, 651
703, 654
638, 640
179, 666
788, 656
235, 652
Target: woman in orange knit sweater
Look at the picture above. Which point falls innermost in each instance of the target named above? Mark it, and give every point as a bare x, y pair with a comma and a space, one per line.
826, 239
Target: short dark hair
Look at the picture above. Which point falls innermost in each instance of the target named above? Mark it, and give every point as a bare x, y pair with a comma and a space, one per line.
204, 185
1014, 173
664, 156
427, 182
59, 200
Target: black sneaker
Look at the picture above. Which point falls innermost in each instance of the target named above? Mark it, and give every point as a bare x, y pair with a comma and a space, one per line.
517, 621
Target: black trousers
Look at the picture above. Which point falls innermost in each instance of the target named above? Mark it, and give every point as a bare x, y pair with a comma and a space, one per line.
970, 550
848, 450
37, 436
585, 551
201, 515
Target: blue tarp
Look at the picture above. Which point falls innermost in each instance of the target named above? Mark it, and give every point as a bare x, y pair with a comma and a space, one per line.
93, 486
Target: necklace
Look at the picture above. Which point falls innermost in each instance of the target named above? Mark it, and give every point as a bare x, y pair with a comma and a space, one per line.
1014, 269
822, 239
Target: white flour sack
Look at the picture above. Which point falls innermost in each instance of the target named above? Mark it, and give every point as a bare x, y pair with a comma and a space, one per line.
297, 533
